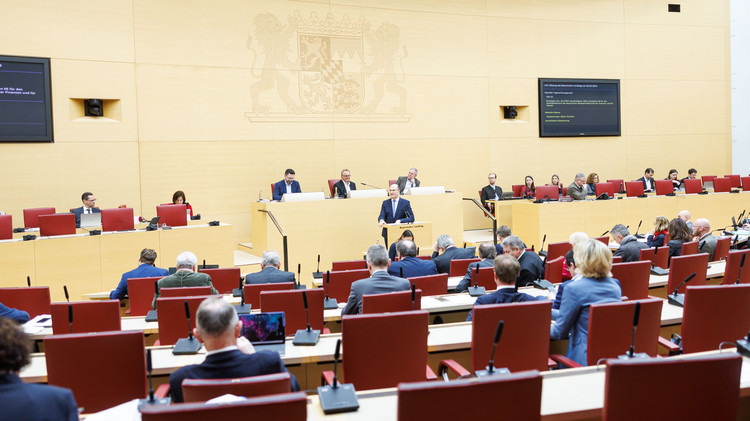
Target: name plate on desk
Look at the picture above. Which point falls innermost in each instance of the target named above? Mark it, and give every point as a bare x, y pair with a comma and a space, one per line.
358, 194
414, 191
302, 197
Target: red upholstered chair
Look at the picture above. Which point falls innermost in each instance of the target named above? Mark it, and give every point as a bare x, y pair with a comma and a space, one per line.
102, 369
745, 183
701, 388
660, 259
564, 191
689, 247
118, 219
58, 224
723, 244
223, 279
286, 406
553, 270
735, 181
391, 182
682, 266
486, 278
555, 250
185, 291
633, 277
458, 267
404, 359
517, 189
172, 215
291, 303
31, 216
732, 268
172, 320
618, 184
693, 185
140, 294
608, 188
33, 300
431, 284
201, 390
341, 282
331, 183
708, 179
548, 192
713, 314
391, 302
611, 329
663, 187
420, 401
604, 240
6, 227
616, 259
88, 316
722, 185
633, 188
252, 291
348, 265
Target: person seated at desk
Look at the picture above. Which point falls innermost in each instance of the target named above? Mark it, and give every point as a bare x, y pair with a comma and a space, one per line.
503, 232
405, 235
647, 180
89, 201
505, 274
285, 186
343, 187
28, 401
532, 267
630, 248
528, 190
270, 270
593, 262
409, 265
577, 190
145, 269
178, 198
379, 282
685, 216
692, 174
661, 225
575, 238
672, 176
14, 314
487, 253
678, 233
228, 355
555, 181
570, 267
444, 245
186, 276
395, 210
404, 183
591, 181
490, 192
706, 240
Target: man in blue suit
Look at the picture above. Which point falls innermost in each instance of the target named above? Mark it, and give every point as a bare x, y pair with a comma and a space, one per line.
270, 270
89, 201
487, 254
19, 316
287, 185
395, 210
408, 264
379, 282
145, 269
506, 271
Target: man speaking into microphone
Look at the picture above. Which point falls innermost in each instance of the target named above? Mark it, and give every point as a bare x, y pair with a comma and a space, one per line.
395, 209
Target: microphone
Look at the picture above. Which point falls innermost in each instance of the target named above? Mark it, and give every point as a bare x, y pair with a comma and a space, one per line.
242, 307
631, 353
318, 274
476, 290
189, 345
307, 336
28, 281
639, 227
490, 369
739, 272
367, 185
151, 400
298, 283
414, 294
337, 398
656, 270
329, 303
67, 297
679, 299
70, 317
734, 223
541, 249
605, 233
237, 292
152, 315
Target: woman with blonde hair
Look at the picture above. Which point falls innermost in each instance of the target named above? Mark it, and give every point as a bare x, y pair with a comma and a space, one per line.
661, 226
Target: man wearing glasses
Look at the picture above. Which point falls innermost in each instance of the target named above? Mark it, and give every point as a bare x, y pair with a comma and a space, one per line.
89, 203
344, 186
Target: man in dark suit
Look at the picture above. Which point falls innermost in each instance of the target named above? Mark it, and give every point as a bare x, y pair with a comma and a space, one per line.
345, 185
25, 401
407, 182
379, 282
229, 354
395, 210
450, 252
505, 274
287, 185
630, 247
648, 180
145, 269
487, 253
89, 201
490, 192
270, 270
408, 264
531, 265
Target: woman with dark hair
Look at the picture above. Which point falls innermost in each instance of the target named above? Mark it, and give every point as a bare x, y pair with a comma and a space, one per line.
672, 176
406, 235
591, 181
678, 233
529, 189
555, 181
178, 198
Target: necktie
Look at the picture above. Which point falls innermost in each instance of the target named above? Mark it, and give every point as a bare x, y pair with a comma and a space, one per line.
394, 209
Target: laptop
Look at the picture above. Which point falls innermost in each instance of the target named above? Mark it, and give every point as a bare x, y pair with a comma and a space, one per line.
89, 220
266, 331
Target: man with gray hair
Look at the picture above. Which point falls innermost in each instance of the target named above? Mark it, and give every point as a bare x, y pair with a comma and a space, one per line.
409, 264
186, 276
531, 265
706, 240
379, 282
487, 253
229, 354
685, 216
577, 190
630, 247
270, 272
450, 252
405, 183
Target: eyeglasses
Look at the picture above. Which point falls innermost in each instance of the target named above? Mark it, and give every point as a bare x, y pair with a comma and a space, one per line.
91, 200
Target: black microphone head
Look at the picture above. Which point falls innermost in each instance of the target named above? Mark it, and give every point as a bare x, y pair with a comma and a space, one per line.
204, 263
605, 233
318, 259
338, 349
639, 223
413, 292
691, 276
304, 299
28, 280
636, 313
499, 331
328, 277
67, 297
544, 238
299, 269
187, 310
148, 360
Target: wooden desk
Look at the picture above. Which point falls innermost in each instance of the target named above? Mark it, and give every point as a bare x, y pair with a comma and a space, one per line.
422, 232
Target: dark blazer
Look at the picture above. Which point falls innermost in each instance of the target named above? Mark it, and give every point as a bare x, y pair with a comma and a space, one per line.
401, 183
13, 314
403, 211
675, 248
630, 249
412, 266
35, 402
269, 275
183, 278
503, 295
229, 365
443, 261
531, 268
279, 189
379, 283
645, 187
488, 193
79, 211
466, 282
340, 189
142, 271
657, 241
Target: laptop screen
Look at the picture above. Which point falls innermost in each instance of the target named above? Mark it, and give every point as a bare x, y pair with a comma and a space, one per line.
264, 328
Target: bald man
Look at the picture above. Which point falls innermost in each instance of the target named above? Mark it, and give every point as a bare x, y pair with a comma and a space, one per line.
706, 241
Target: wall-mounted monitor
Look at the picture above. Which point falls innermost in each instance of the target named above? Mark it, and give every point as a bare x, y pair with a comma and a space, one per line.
25, 100
579, 107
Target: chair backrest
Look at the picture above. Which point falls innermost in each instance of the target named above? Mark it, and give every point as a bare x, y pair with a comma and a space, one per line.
608, 188
732, 268
88, 316
223, 279
604, 240
403, 360
286, 406
171, 317
391, 182
700, 388
348, 265
693, 185
252, 291
633, 188
722, 185
723, 244
660, 259
141, 294
293, 306
118, 219
616, 259
6, 227
458, 267
185, 291
708, 178
102, 369
555, 250
618, 184
689, 247
31, 216
682, 266
431, 284
525, 341
517, 189
57, 224
663, 187
714, 314
564, 191
486, 278
331, 183
745, 183
391, 302
548, 192
172, 215
553, 270
33, 300
341, 282
611, 328
735, 181
201, 390
420, 401
633, 277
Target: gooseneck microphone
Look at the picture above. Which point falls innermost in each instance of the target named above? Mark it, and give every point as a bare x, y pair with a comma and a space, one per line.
639, 227
636, 315
337, 397
307, 336
656, 270
368, 185
541, 249
152, 315
329, 303
318, 274
490, 369
414, 295
151, 400
28, 281
70, 317
298, 282
476, 290
65, 289
679, 299
605, 233
242, 307
189, 345
739, 272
